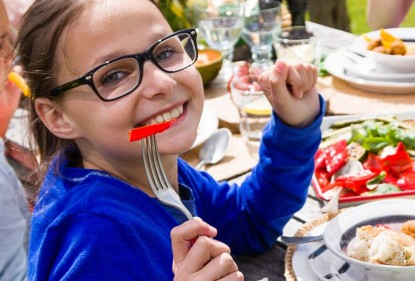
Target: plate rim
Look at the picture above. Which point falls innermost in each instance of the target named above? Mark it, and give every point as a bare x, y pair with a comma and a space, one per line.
334, 65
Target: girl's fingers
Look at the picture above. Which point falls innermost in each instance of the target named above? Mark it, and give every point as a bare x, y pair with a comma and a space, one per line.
183, 235
295, 79
234, 276
223, 266
273, 80
203, 251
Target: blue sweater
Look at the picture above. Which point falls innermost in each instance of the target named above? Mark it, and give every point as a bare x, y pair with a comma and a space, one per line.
89, 225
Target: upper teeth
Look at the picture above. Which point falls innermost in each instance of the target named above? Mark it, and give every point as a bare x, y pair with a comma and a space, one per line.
174, 113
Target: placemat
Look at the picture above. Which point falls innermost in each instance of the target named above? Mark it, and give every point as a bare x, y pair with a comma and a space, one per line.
307, 227
240, 158
342, 98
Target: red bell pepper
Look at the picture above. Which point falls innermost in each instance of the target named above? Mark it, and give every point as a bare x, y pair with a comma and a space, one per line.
322, 177
399, 161
320, 159
143, 132
406, 181
373, 163
336, 156
357, 182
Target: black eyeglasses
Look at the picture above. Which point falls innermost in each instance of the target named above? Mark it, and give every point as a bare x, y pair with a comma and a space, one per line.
119, 77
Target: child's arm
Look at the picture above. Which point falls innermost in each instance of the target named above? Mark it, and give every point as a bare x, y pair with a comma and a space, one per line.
196, 256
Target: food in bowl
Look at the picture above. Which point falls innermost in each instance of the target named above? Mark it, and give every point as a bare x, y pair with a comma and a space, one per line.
341, 230
389, 44
380, 244
391, 53
209, 63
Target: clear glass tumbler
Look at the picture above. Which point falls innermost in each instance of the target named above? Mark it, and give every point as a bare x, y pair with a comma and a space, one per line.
253, 107
262, 21
296, 44
220, 23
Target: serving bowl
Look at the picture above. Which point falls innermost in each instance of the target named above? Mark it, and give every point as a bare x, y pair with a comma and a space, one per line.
393, 63
342, 229
389, 63
209, 63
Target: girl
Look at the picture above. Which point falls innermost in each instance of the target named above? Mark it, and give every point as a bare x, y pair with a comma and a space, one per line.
96, 70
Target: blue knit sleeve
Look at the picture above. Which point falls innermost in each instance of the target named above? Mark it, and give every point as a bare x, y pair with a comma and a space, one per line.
251, 216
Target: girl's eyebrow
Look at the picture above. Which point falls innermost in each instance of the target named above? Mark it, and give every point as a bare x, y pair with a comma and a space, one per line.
155, 37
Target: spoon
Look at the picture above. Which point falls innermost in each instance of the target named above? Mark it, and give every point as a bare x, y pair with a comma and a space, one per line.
214, 148
300, 239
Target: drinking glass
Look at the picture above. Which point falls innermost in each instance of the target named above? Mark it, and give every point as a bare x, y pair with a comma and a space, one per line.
253, 106
297, 44
220, 23
262, 20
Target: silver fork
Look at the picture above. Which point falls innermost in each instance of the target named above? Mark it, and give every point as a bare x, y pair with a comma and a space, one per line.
157, 177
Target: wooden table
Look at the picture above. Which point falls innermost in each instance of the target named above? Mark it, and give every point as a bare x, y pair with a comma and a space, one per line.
341, 98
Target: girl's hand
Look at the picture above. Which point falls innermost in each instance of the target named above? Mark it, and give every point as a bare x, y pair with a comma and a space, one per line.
196, 256
291, 90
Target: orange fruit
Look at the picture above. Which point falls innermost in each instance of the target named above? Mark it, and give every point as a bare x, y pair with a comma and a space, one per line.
386, 36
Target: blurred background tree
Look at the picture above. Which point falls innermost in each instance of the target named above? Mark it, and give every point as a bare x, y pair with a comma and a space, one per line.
178, 14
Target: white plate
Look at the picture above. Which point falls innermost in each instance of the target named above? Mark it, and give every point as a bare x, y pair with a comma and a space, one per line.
364, 67
300, 262
209, 122
314, 262
342, 229
327, 266
336, 62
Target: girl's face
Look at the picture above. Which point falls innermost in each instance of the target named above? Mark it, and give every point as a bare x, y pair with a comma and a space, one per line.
107, 30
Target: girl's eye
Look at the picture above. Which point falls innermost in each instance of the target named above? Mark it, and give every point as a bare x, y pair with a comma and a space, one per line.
164, 54
112, 78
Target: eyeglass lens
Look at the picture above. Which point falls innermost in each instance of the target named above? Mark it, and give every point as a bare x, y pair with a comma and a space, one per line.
121, 76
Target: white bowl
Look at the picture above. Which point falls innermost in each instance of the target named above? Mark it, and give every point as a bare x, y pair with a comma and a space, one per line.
342, 229
393, 63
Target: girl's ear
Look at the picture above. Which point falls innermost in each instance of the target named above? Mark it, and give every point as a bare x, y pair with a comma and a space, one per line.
52, 116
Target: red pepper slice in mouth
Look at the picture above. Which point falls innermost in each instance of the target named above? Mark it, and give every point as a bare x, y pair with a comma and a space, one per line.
145, 131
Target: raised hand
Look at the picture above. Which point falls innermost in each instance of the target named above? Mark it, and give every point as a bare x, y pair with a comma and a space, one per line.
291, 90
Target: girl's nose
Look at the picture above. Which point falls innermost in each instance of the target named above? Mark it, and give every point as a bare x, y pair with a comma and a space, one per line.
156, 81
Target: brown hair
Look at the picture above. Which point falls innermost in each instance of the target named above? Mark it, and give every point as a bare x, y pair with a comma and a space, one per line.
39, 36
